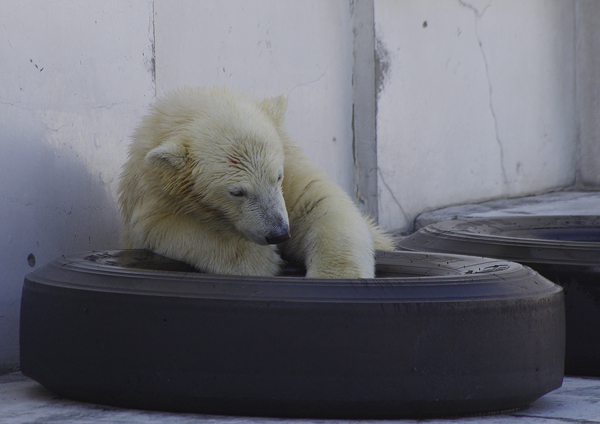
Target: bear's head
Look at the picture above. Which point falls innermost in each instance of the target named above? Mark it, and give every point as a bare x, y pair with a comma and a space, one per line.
224, 160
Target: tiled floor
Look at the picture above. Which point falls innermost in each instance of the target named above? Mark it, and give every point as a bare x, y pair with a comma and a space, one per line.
24, 401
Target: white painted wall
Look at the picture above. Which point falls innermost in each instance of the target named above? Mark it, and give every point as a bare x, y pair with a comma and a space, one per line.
76, 76
302, 49
477, 101
588, 90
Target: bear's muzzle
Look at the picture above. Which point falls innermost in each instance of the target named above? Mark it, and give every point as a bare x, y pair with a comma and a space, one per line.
278, 236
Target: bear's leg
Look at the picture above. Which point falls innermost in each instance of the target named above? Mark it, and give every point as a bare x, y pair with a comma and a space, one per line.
339, 250
333, 241
329, 234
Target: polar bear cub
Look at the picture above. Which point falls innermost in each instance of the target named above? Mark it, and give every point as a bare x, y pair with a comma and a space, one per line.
213, 180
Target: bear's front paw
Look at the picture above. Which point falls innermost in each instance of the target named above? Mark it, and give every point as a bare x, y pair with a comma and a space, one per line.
341, 268
256, 260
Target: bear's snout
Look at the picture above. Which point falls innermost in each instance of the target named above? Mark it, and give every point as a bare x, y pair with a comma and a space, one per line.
278, 236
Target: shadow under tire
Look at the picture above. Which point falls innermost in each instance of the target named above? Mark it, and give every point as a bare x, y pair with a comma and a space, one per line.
431, 335
564, 249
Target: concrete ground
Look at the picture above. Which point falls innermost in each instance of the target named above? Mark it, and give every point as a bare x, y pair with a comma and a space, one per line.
23, 401
577, 401
557, 203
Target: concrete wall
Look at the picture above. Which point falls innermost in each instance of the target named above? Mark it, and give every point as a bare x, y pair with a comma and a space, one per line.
476, 101
588, 90
75, 78
303, 49
409, 105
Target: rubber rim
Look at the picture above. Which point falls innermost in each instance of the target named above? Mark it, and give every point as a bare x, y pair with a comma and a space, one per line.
564, 249
433, 335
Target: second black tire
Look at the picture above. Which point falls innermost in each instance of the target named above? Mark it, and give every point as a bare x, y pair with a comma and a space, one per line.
564, 249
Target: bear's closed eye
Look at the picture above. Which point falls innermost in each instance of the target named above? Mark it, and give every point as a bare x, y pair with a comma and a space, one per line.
237, 192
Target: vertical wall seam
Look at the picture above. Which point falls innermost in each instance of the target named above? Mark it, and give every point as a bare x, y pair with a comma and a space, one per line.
364, 137
153, 41
578, 143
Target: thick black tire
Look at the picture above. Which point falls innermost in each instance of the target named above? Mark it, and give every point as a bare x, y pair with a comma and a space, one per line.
564, 249
432, 335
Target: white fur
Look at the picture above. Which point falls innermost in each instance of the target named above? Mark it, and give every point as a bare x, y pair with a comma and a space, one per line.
212, 177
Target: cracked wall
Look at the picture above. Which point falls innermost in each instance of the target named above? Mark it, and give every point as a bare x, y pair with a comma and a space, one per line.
478, 102
75, 79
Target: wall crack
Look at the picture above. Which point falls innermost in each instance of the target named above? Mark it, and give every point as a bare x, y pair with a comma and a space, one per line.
478, 15
60, 127
17, 105
476, 11
7, 39
408, 220
315, 80
109, 107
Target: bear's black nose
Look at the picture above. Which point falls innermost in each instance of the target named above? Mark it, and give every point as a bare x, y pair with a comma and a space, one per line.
278, 238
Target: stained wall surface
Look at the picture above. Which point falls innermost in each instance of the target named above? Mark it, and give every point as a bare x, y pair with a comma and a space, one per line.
75, 78
476, 100
588, 90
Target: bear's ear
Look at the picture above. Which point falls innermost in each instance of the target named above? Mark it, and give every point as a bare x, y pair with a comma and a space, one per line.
275, 107
169, 155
